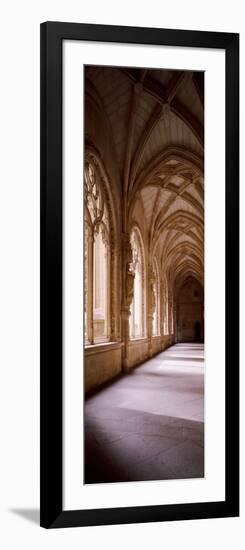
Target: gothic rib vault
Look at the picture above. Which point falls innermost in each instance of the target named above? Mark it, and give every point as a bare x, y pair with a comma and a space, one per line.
144, 129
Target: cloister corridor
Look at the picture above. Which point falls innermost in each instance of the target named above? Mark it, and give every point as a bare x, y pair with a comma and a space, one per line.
148, 424
144, 274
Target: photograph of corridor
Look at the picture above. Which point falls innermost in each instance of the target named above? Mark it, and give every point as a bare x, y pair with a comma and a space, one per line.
143, 274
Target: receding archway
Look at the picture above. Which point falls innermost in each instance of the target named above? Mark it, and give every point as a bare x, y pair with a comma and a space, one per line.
190, 312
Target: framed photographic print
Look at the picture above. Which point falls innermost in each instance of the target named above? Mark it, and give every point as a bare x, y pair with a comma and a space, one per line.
139, 274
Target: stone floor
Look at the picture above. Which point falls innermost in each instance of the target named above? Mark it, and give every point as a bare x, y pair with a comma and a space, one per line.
149, 424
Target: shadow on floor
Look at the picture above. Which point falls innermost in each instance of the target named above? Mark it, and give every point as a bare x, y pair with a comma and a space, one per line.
140, 446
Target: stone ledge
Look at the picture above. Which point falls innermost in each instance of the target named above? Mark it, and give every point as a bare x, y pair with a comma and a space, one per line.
135, 341
101, 347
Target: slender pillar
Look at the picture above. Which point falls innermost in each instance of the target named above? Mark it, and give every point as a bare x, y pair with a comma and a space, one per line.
90, 289
151, 307
127, 297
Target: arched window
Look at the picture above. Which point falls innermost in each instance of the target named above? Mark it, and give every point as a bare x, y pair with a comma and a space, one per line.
165, 309
156, 289
97, 258
137, 310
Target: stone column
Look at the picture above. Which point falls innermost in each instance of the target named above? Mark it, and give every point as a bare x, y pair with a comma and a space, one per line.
161, 312
112, 302
175, 322
151, 307
127, 297
107, 329
90, 289
125, 314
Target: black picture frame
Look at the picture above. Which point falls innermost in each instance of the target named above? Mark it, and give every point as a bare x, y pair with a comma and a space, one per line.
52, 35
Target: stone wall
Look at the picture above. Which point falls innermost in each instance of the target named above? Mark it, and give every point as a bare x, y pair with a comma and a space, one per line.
190, 305
101, 363
137, 352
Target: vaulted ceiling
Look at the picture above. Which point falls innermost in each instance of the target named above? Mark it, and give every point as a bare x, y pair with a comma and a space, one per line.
156, 119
